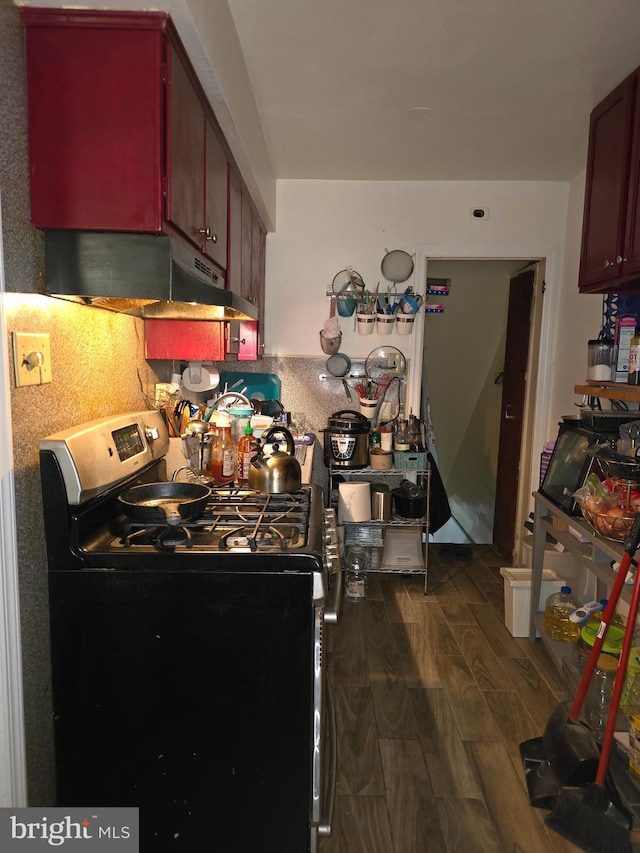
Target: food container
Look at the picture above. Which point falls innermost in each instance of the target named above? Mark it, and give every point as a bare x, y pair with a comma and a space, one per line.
381, 460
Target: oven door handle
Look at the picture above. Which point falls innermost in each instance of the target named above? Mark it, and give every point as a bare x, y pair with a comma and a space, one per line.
326, 820
332, 606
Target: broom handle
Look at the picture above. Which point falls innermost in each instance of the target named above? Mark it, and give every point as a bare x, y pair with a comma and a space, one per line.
630, 547
621, 675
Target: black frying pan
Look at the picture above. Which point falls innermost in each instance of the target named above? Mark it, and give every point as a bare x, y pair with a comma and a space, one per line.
164, 503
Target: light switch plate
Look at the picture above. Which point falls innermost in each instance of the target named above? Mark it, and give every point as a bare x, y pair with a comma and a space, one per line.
31, 358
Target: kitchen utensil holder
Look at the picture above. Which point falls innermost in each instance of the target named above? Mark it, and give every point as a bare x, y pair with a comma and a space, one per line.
365, 323
385, 323
404, 324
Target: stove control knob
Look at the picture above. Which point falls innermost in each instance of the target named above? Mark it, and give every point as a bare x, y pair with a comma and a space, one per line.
332, 559
152, 433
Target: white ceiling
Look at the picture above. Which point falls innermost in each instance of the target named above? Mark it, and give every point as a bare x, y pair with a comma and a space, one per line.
509, 84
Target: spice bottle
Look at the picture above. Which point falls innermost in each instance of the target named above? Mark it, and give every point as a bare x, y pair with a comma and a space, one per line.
247, 449
222, 466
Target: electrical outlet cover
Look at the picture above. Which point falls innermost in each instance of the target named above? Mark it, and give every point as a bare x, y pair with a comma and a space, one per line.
31, 358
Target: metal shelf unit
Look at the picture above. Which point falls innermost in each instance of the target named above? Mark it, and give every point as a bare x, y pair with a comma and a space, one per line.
375, 475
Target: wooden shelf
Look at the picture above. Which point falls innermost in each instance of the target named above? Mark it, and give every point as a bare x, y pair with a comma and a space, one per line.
609, 391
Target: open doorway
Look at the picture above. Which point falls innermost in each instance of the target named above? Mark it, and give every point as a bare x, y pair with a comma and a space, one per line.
464, 361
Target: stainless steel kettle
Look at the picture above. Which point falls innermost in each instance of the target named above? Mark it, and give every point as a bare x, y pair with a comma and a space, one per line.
279, 472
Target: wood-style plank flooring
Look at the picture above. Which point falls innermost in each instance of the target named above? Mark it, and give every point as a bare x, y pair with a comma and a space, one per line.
433, 696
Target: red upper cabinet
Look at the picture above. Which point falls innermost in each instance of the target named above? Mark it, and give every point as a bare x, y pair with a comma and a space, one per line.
246, 269
96, 119
121, 137
196, 166
610, 256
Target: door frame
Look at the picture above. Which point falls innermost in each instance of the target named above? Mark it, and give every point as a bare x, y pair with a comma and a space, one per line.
535, 426
13, 775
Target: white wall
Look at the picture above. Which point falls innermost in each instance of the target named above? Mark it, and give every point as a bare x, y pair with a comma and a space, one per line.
579, 317
324, 226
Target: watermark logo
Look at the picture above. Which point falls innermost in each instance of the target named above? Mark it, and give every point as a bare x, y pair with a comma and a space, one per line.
71, 830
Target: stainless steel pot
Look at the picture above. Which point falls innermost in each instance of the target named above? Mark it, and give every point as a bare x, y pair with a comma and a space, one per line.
346, 440
280, 472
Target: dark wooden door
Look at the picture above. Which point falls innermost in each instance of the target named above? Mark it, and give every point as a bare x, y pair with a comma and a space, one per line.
513, 401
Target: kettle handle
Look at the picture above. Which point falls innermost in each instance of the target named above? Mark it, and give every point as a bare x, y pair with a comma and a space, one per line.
291, 447
349, 412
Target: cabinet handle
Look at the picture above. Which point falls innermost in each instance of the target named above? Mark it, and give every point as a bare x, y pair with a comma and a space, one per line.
507, 413
608, 263
238, 341
621, 260
208, 235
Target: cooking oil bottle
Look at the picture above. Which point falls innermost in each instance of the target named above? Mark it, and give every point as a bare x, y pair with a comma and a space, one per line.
557, 624
222, 466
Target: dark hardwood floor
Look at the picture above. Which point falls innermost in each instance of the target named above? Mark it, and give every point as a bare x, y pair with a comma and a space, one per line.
433, 696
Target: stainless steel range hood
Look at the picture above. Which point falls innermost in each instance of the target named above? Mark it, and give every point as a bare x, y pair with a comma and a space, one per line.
140, 274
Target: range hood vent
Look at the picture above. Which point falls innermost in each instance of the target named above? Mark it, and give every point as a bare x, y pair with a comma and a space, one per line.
140, 274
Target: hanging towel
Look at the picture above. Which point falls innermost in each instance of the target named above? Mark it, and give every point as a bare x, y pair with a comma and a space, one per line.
439, 509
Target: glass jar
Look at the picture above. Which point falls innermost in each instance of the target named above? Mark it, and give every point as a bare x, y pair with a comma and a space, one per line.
600, 360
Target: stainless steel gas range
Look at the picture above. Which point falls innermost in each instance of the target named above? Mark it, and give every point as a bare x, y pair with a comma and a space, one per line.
187, 659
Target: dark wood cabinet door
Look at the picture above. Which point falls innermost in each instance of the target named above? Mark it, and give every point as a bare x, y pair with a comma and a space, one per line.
631, 254
247, 231
215, 206
605, 208
185, 153
234, 239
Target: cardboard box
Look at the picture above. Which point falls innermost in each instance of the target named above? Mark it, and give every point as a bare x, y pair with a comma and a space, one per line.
517, 597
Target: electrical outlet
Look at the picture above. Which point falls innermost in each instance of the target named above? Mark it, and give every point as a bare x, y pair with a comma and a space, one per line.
31, 358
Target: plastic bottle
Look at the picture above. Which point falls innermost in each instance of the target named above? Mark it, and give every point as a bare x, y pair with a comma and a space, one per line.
247, 449
557, 624
222, 466
374, 439
356, 565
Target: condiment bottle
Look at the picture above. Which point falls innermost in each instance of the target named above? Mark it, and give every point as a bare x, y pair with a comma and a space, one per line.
222, 466
401, 438
247, 449
634, 362
374, 439
386, 438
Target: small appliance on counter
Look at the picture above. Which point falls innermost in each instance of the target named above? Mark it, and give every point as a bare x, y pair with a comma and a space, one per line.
570, 464
346, 440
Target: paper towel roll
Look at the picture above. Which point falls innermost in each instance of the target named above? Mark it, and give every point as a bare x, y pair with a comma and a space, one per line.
354, 502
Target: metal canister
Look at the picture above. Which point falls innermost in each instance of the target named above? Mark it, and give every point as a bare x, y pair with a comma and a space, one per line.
380, 502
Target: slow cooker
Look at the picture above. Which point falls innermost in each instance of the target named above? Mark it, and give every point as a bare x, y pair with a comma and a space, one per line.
346, 440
